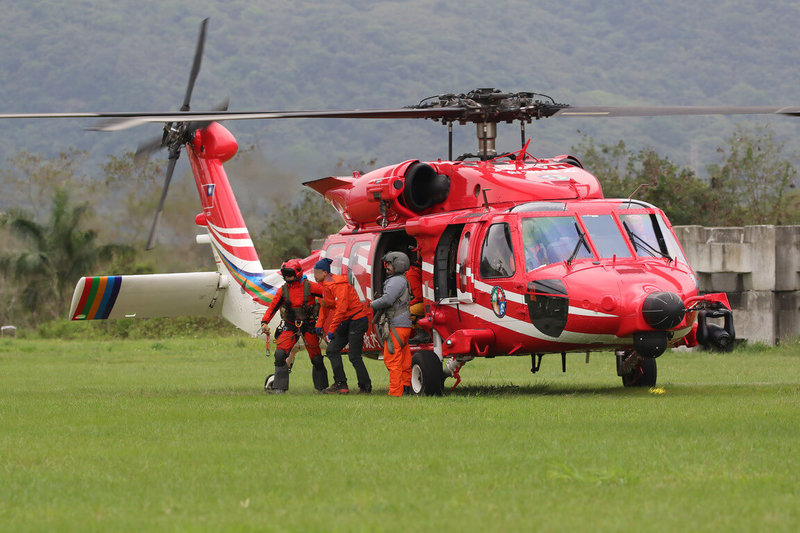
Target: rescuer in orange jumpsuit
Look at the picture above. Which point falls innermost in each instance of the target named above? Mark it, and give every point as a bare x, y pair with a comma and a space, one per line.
297, 299
396, 326
347, 322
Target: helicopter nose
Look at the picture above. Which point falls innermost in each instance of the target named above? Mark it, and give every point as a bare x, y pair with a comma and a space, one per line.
663, 310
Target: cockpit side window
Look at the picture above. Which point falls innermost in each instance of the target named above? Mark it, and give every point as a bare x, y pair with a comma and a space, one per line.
673, 248
552, 240
497, 253
606, 236
645, 234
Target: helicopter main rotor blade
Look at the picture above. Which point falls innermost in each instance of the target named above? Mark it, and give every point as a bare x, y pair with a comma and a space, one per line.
195, 125
173, 158
198, 58
660, 111
116, 121
121, 121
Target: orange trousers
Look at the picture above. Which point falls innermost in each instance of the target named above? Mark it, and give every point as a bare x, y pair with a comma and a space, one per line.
398, 363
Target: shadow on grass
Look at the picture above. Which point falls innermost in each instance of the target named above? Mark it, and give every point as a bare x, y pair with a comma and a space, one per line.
541, 389
682, 390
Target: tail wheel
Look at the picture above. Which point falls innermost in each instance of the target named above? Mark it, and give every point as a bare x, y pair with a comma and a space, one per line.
426, 374
643, 375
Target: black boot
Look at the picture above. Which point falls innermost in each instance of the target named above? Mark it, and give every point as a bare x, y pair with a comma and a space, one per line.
319, 374
281, 381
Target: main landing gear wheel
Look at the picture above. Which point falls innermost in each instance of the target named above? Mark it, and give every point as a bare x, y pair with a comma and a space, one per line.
268, 382
426, 374
643, 375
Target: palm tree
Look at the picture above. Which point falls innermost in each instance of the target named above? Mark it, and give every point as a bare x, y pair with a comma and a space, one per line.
59, 253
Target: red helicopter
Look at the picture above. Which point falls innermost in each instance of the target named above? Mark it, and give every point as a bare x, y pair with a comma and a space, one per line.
520, 256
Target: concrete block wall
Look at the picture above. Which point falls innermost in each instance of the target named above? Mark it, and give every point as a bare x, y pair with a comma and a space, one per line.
758, 267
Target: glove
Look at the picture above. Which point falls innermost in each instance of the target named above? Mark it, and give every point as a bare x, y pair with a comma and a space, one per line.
330, 337
319, 332
264, 328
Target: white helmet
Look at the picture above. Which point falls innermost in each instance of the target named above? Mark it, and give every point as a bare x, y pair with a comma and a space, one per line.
398, 260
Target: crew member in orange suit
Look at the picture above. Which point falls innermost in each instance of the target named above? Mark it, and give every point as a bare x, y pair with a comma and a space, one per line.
297, 299
345, 317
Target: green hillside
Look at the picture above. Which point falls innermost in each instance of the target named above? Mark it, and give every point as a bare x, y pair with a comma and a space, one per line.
98, 55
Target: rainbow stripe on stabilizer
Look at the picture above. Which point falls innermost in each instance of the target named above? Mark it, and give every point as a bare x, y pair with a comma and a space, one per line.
98, 297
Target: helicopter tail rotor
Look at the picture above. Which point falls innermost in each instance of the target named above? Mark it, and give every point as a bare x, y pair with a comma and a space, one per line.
173, 159
175, 134
147, 148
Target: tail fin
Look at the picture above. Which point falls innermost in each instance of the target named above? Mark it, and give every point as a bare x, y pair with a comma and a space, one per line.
236, 257
196, 293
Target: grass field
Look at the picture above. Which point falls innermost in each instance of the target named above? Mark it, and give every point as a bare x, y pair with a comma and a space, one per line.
178, 435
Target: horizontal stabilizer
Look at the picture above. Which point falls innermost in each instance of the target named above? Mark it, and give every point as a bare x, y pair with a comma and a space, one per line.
323, 185
147, 296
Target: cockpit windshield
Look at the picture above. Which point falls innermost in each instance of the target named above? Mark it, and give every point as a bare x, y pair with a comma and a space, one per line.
552, 240
605, 235
642, 233
651, 236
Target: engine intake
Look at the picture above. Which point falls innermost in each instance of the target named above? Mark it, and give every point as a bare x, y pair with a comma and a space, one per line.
424, 188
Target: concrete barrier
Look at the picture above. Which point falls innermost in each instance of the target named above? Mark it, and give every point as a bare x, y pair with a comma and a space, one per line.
759, 269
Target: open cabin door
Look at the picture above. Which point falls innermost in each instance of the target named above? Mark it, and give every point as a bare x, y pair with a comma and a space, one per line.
451, 272
389, 241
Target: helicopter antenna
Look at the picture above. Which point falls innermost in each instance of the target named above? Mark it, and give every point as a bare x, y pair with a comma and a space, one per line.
630, 198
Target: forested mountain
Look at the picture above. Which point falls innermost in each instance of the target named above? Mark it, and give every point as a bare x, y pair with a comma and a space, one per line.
99, 55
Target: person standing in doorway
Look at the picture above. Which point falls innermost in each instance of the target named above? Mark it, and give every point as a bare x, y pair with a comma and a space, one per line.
393, 321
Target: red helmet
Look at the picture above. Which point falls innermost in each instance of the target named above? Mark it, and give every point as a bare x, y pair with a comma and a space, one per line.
292, 267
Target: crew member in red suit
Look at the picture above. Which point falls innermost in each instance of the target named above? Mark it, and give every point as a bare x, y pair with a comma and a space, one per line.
297, 300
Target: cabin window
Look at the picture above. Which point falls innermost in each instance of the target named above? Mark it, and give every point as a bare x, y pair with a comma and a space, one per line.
606, 236
335, 252
551, 240
497, 253
357, 271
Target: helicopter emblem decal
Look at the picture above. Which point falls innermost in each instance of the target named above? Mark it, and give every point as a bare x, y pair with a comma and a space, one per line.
498, 301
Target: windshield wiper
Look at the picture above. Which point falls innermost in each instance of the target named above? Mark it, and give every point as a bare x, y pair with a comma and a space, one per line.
634, 237
581, 240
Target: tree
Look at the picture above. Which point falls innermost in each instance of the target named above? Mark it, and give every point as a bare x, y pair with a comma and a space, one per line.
645, 175
753, 182
290, 228
29, 177
58, 253
134, 190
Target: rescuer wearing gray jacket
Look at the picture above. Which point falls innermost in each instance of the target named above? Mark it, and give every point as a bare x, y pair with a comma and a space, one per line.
393, 321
